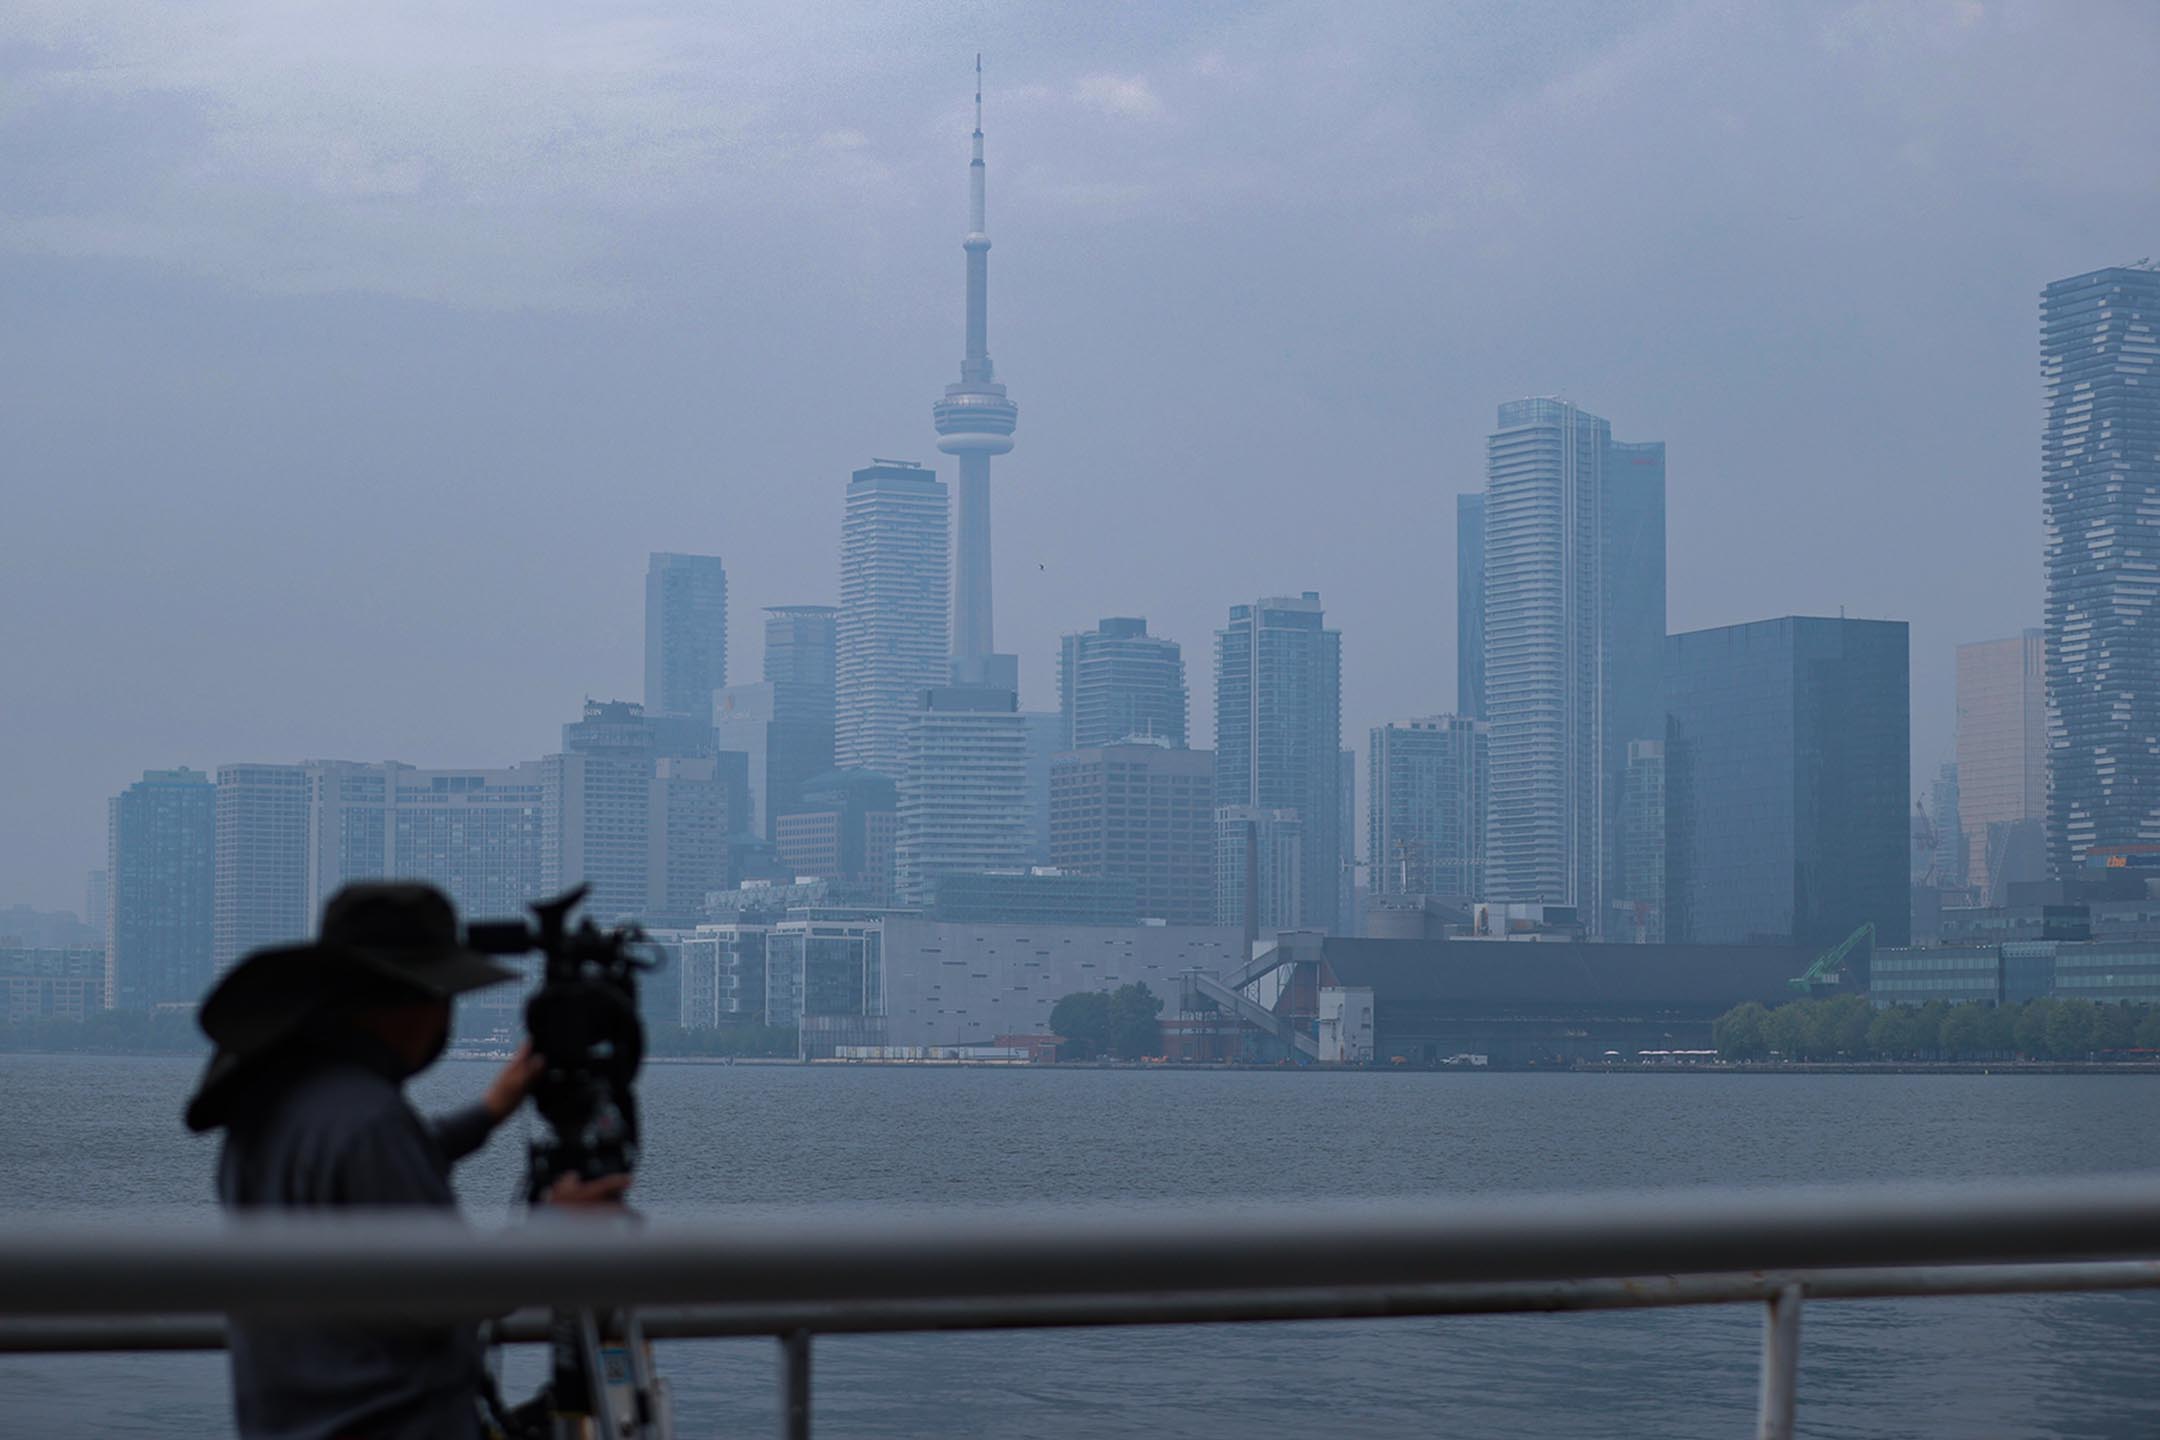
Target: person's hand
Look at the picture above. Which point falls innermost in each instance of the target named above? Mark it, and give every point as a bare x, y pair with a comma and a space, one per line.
575, 1192
508, 1090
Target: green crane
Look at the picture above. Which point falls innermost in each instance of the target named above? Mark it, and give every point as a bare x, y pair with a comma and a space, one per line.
1827, 964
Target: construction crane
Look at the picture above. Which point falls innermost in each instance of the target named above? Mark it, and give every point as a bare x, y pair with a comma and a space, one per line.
1831, 961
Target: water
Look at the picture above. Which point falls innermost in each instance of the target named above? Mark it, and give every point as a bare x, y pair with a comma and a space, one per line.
102, 1135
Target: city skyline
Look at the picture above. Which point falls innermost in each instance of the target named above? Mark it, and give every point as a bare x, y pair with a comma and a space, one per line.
492, 704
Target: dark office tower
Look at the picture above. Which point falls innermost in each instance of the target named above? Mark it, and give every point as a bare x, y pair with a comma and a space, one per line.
160, 855
1143, 813
262, 895
1633, 567
1574, 620
1117, 682
2100, 495
1425, 807
685, 633
891, 630
1470, 606
800, 647
1788, 780
1278, 729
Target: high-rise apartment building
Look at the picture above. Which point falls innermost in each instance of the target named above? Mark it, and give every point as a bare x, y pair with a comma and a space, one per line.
1118, 683
1278, 729
1470, 606
2100, 497
640, 807
891, 631
1260, 870
261, 892
685, 633
474, 834
1574, 622
1144, 813
1788, 782
962, 788
2001, 756
1425, 807
801, 650
160, 856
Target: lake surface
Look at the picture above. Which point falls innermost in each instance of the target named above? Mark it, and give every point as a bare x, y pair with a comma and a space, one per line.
102, 1136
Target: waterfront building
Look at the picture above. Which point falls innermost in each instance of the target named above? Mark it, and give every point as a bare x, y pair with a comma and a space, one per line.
1470, 606
2001, 757
721, 980
974, 421
53, 983
160, 856
1118, 683
962, 788
1425, 809
891, 631
1574, 624
826, 979
1788, 778
2100, 498
685, 633
1278, 729
1144, 813
261, 894
1260, 869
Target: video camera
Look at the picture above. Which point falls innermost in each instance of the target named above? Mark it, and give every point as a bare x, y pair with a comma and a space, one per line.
584, 1024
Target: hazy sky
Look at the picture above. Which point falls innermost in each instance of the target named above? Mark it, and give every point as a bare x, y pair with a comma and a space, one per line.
352, 357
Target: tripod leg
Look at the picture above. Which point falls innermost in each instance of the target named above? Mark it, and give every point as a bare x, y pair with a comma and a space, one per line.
596, 1386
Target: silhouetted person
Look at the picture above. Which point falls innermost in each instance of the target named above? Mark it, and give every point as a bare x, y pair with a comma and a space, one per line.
314, 1045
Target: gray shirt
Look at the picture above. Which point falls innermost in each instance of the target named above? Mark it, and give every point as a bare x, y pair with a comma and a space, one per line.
336, 1134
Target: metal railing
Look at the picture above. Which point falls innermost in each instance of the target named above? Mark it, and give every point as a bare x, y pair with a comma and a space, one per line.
78, 1288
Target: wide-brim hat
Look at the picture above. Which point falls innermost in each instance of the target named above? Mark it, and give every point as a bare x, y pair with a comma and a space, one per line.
379, 941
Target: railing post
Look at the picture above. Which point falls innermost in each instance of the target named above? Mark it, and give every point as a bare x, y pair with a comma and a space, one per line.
1780, 1365
795, 1385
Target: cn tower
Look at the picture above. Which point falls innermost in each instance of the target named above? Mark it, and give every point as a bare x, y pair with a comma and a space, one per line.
975, 421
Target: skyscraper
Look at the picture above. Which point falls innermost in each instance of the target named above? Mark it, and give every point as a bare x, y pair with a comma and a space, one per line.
2001, 755
1788, 776
1278, 729
1470, 606
963, 789
1425, 807
685, 633
2100, 496
262, 895
1260, 872
160, 849
1142, 812
640, 807
974, 422
1574, 623
891, 632
1116, 682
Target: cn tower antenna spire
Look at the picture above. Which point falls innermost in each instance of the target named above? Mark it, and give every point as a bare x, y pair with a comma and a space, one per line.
974, 422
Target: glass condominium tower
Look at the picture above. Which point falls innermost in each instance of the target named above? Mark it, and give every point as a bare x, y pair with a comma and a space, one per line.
1573, 635
2100, 494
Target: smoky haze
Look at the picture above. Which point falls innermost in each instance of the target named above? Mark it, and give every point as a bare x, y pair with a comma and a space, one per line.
353, 362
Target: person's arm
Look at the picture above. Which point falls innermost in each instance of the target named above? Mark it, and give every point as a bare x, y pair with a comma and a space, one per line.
460, 1132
